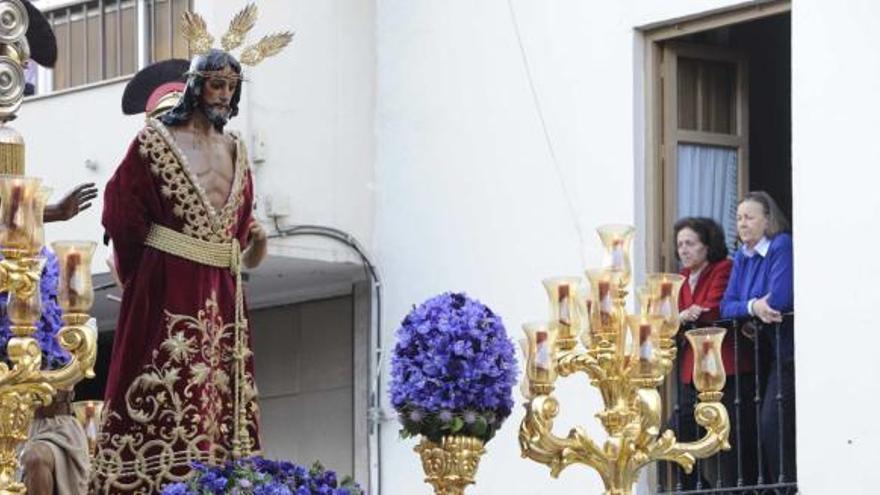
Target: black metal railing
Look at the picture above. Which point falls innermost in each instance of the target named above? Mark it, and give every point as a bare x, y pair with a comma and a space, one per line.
759, 396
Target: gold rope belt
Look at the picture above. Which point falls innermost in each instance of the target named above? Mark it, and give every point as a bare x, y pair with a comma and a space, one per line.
179, 244
220, 255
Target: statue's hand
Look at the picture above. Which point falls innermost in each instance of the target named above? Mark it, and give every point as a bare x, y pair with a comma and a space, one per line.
257, 245
76, 201
256, 234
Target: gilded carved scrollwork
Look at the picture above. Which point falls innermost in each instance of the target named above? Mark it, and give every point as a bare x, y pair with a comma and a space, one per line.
451, 465
538, 442
710, 415
633, 419
81, 341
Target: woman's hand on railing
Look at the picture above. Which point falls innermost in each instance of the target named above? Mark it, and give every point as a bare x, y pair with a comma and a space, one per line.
692, 313
761, 308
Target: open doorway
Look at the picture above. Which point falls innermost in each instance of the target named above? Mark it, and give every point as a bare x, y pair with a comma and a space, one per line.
718, 120
765, 46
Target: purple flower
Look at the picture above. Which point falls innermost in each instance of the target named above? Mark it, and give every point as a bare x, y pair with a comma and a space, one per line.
272, 488
416, 416
470, 417
176, 489
260, 476
452, 356
330, 479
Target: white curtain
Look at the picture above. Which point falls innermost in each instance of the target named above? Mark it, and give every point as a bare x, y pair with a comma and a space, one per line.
707, 185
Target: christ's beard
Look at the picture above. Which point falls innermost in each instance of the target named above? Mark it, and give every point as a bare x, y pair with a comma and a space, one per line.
217, 115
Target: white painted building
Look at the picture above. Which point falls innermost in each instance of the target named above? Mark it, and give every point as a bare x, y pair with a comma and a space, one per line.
467, 143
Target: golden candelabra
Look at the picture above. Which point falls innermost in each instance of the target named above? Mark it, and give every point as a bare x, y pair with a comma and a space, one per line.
626, 357
24, 386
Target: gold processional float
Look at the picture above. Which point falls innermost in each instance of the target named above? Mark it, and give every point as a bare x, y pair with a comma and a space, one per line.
23, 385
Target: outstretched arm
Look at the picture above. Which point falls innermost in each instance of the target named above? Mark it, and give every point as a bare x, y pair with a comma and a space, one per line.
77, 200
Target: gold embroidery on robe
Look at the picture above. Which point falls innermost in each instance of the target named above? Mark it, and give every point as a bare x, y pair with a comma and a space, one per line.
168, 163
180, 408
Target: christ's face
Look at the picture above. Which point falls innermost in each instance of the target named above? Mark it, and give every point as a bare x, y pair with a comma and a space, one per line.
217, 93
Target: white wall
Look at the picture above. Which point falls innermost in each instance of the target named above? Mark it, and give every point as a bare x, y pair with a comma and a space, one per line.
469, 198
313, 105
835, 103
61, 133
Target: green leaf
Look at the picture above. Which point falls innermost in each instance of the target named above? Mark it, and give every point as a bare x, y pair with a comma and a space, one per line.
480, 426
316, 470
457, 424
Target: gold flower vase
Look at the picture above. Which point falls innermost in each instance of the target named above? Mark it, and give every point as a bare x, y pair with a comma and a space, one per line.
451, 465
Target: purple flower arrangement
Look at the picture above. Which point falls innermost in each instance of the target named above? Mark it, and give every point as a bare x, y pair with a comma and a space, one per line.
54, 356
453, 370
259, 476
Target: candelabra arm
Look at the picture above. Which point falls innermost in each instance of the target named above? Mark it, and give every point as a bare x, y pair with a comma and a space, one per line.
711, 415
650, 410
578, 361
538, 442
25, 355
81, 341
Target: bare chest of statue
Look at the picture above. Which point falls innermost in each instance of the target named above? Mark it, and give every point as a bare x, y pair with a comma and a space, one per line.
211, 160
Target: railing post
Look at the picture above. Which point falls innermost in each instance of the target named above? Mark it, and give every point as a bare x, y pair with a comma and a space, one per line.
678, 409
757, 342
779, 408
736, 405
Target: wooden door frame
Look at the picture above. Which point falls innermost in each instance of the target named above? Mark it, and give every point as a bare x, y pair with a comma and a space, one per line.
672, 136
656, 182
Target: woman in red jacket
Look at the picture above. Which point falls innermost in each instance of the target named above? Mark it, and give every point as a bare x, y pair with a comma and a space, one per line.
702, 251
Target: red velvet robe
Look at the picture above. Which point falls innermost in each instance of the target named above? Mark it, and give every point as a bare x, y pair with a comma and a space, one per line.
170, 391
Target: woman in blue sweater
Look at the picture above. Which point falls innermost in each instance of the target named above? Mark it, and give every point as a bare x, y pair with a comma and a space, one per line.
761, 286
